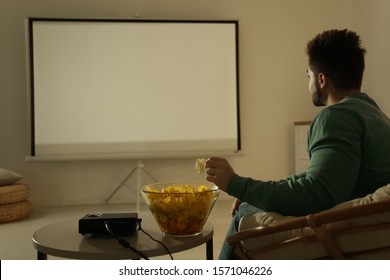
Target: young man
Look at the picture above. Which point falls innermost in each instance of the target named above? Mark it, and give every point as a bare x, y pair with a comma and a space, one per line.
348, 141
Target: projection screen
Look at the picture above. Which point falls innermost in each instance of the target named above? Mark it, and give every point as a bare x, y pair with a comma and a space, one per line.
111, 89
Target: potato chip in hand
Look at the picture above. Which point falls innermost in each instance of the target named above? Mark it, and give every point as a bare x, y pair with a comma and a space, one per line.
200, 165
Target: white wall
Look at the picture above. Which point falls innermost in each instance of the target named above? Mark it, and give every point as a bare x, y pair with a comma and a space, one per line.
373, 24
273, 36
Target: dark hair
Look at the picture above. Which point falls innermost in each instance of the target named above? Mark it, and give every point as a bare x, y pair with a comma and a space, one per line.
339, 55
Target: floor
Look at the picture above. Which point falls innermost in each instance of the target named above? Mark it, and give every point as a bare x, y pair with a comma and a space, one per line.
16, 236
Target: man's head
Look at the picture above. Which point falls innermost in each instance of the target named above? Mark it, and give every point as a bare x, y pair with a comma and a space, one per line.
336, 56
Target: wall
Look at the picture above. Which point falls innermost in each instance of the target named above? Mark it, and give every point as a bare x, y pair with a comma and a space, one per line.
373, 24
274, 91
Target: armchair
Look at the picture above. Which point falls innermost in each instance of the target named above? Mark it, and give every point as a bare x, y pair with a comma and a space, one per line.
356, 229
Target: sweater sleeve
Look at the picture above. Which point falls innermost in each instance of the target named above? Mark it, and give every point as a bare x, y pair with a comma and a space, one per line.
335, 152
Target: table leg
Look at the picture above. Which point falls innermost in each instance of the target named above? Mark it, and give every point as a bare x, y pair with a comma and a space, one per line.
41, 256
209, 250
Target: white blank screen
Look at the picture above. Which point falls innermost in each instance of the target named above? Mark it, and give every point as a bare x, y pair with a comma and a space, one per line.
134, 89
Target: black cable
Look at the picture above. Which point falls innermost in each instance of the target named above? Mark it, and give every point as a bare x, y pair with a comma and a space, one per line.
123, 242
155, 240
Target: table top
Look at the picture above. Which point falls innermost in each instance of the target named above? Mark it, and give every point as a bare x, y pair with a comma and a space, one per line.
62, 239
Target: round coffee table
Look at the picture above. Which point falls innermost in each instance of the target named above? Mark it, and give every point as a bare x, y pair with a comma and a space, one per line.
62, 239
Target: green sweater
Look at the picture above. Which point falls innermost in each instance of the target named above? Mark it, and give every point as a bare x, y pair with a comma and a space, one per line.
349, 148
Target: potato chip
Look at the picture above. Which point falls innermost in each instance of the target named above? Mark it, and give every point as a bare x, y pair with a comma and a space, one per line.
200, 165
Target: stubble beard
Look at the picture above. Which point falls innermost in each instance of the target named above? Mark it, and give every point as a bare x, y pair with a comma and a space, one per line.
317, 96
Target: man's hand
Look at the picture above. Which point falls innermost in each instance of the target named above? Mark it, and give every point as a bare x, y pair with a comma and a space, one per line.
219, 172
235, 206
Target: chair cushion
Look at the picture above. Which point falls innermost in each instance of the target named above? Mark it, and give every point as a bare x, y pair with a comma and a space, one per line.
8, 177
15, 211
14, 193
314, 249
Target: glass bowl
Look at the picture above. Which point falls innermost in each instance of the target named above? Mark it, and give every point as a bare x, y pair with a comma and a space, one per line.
180, 208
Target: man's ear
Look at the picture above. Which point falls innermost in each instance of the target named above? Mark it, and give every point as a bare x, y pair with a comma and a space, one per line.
322, 80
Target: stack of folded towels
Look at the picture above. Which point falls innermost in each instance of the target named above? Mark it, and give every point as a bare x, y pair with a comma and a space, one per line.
14, 203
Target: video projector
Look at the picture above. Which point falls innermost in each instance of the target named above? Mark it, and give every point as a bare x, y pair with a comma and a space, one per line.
122, 224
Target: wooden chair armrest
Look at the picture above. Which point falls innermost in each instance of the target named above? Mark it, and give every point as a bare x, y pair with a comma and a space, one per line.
327, 216
293, 223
